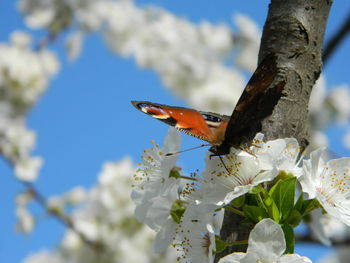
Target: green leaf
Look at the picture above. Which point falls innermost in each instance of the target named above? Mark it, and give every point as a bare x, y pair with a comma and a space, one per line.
310, 205
255, 190
219, 245
272, 209
239, 201
284, 175
289, 237
254, 213
299, 204
283, 195
294, 218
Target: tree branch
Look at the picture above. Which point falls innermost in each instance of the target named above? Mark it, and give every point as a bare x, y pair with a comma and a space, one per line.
60, 216
335, 41
293, 31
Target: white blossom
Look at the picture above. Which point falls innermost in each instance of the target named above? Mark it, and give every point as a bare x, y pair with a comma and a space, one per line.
74, 45
18, 141
19, 81
329, 183
236, 173
154, 178
234, 176
76, 196
56, 204
106, 217
266, 244
318, 95
248, 42
196, 233
339, 255
277, 155
327, 228
45, 256
28, 169
339, 99
189, 58
40, 13
21, 39
25, 220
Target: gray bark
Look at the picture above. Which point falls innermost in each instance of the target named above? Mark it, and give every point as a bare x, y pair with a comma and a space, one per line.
294, 31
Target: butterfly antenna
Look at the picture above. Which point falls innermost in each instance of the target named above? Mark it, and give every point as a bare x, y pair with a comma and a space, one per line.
186, 150
222, 161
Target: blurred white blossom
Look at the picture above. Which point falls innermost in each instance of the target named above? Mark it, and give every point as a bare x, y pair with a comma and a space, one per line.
24, 76
45, 256
339, 99
28, 169
76, 196
105, 217
247, 41
40, 13
341, 254
25, 220
74, 45
189, 58
327, 228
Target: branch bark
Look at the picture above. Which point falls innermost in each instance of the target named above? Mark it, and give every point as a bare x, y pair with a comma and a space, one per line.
294, 31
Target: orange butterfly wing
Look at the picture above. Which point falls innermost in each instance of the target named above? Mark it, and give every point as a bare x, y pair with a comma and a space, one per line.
206, 126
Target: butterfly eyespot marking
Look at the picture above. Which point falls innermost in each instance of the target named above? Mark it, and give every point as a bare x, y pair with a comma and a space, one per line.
154, 111
211, 118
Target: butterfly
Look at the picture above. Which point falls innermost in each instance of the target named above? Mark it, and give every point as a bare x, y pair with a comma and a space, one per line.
257, 102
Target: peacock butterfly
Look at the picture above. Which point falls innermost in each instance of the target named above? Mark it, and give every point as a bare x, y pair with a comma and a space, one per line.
257, 102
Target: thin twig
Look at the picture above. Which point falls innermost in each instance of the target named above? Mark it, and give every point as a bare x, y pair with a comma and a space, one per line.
335, 41
61, 217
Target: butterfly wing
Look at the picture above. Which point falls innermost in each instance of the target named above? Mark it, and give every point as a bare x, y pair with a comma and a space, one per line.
255, 104
206, 126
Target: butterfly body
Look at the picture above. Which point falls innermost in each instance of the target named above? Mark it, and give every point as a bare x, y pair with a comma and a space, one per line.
257, 102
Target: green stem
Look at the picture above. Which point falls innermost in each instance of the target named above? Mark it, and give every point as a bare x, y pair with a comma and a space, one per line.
188, 178
234, 210
261, 201
238, 243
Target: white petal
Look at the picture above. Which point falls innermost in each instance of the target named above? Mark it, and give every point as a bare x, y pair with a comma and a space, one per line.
232, 258
294, 258
267, 239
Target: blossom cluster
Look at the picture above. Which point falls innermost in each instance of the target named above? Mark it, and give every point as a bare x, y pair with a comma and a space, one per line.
104, 216
189, 58
21, 86
186, 211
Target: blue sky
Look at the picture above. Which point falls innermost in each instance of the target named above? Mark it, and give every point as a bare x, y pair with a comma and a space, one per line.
85, 118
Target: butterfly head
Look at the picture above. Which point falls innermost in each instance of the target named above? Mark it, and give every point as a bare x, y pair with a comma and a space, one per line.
220, 149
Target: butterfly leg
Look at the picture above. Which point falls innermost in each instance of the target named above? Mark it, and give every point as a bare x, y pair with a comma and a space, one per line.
222, 161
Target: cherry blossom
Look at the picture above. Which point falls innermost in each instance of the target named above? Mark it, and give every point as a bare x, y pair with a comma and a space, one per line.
329, 183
